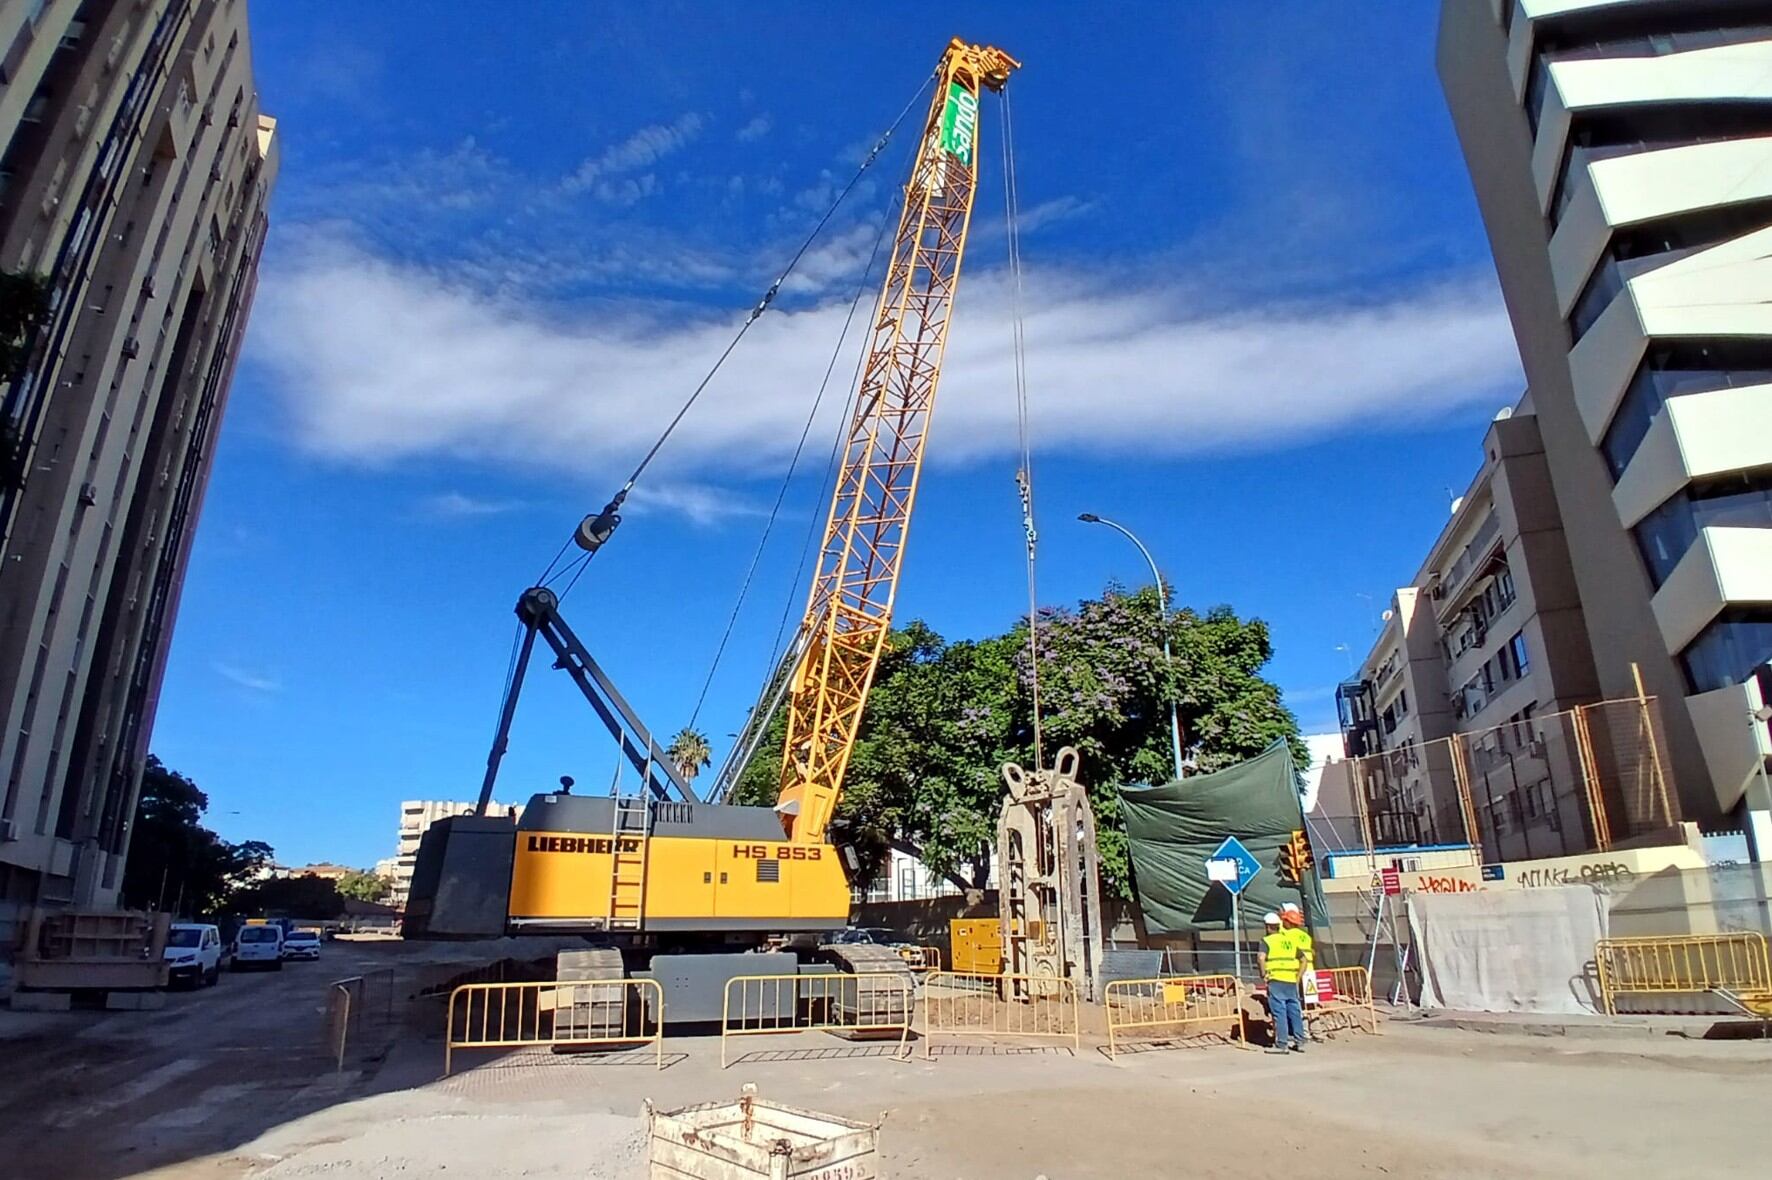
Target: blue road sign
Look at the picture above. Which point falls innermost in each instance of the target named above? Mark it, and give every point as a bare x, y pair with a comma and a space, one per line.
1247, 866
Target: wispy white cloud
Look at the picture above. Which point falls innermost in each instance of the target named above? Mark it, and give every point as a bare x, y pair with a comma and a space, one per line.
642, 149
756, 129
254, 681
381, 361
457, 505
699, 503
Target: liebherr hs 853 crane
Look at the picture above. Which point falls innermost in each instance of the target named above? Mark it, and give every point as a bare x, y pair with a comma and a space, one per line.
650, 874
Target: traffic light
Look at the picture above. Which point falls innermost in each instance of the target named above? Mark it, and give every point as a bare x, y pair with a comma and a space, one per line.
1295, 859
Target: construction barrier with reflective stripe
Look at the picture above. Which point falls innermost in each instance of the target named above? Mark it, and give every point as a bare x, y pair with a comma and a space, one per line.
865, 1005
558, 1015
1350, 992
1175, 1005
959, 1004
1682, 964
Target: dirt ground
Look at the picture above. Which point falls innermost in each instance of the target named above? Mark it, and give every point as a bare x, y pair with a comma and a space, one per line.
230, 1083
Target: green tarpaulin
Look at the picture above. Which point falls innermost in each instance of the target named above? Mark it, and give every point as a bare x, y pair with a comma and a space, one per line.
1172, 829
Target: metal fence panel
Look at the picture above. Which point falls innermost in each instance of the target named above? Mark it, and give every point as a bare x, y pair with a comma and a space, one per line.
1174, 1003
1012, 1005
876, 1004
518, 1015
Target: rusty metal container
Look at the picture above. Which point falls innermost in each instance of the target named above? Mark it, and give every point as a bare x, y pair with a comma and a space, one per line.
752, 1138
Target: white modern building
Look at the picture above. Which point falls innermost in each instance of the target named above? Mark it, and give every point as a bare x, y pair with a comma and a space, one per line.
1621, 152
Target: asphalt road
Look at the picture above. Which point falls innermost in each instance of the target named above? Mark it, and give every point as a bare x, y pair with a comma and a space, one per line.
100, 1095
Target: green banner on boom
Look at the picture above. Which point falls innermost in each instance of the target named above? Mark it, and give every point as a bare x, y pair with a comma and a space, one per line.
959, 123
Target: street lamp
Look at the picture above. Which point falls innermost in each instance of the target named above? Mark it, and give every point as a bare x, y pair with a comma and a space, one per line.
1163, 608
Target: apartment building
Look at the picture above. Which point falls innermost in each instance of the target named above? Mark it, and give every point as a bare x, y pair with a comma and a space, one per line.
416, 817
135, 167
1621, 153
1487, 637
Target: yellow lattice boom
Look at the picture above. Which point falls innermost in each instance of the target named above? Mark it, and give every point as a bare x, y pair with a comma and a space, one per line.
850, 606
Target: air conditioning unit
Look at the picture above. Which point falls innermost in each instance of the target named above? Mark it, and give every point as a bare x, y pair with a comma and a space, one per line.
233, 118
8, 830
131, 347
148, 286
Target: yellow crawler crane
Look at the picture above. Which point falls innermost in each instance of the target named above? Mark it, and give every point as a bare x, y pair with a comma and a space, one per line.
650, 874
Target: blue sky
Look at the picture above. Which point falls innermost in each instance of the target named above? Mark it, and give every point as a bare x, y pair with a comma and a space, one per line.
1263, 332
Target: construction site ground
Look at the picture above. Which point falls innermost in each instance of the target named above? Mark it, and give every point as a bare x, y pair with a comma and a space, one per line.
234, 1082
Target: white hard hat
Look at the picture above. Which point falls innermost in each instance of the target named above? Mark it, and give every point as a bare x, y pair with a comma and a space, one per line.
1270, 919
1291, 905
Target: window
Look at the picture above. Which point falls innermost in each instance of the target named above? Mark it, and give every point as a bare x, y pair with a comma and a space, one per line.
1517, 650
1730, 649
1641, 249
1603, 286
1537, 91
1504, 589
1674, 370
1664, 536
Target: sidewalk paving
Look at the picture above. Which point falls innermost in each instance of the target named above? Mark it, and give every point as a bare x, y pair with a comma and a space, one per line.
1586, 1025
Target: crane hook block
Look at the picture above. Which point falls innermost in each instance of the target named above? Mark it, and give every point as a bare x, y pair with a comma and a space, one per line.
593, 531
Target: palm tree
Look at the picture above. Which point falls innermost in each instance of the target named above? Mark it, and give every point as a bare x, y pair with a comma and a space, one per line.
690, 753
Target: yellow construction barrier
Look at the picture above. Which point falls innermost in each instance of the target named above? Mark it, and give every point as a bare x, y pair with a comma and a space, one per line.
956, 1003
558, 1015
1351, 993
758, 1005
1174, 1004
921, 959
1683, 964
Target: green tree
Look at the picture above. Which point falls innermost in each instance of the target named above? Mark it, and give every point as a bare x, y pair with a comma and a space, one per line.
942, 718
690, 753
1105, 689
364, 886
176, 863
306, 896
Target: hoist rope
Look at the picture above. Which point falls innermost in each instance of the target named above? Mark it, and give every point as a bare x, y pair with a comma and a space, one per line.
775, 287
744, 589
757, 311
1024, 475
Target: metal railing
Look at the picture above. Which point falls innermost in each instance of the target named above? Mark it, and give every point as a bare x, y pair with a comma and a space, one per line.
339, 996
1350, 991
1175, 1004
558, 1015
876, 1005
1681, 964
921, 959
1012, 1005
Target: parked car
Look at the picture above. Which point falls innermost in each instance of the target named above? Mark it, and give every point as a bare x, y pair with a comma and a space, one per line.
193, 954
259, 946
302, 944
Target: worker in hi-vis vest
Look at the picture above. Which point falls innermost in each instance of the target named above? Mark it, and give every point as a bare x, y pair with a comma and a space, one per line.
1286, 954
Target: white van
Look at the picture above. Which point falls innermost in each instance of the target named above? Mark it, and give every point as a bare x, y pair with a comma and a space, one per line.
193, 954
259, 946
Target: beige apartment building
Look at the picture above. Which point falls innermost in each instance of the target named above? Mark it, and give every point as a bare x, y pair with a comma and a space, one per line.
135, 167
1486, 642
1621, 153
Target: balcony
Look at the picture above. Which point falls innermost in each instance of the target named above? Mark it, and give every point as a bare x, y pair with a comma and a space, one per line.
1469, 561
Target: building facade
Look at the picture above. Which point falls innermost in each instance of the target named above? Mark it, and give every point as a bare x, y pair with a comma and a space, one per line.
1487, 645
1621, 153
135, 167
